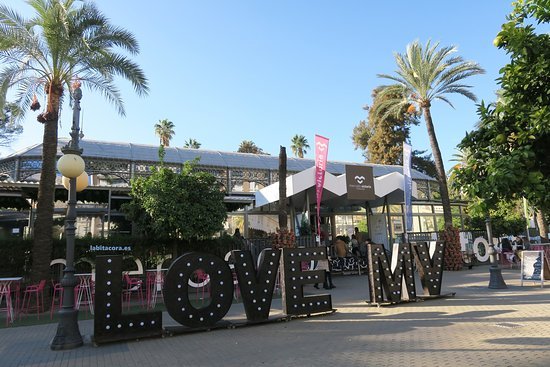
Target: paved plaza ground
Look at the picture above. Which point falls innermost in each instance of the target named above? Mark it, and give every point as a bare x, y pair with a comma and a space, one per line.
477, 327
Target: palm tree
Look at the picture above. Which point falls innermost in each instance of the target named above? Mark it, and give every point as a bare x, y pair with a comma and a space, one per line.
165, 131
426, 74
248, 146
192, 144
44, 55
299, 145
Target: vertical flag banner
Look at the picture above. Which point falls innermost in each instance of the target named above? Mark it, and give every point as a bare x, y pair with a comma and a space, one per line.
321, 153
407, 186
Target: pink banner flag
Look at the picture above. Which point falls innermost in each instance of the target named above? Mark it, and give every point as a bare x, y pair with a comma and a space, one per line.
321, 153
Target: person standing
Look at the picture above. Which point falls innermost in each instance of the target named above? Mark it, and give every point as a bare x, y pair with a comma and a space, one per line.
325, 265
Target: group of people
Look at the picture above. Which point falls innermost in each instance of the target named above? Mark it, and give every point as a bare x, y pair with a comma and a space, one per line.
357, 248
512, 250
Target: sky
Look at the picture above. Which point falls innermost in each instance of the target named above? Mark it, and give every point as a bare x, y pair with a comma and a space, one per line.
228, 71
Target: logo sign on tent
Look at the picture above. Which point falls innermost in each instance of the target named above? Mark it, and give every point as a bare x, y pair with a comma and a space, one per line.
360, 182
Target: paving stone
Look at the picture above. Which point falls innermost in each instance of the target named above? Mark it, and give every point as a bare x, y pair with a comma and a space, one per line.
477, 327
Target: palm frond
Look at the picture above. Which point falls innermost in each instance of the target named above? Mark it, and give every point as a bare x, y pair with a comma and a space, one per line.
444, 99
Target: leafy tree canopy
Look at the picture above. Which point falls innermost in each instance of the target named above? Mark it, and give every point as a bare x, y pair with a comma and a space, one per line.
248, 146
426, 73
508, 152
164, 129
192, 144
187, 205
9, 128
299, 145
381, 137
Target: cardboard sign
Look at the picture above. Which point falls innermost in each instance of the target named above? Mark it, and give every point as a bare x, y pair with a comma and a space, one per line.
532, 266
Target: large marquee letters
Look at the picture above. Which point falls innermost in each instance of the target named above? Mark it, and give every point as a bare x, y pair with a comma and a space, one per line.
109, 323
293, 280
176, 290
257, 289
385, 281
429, 261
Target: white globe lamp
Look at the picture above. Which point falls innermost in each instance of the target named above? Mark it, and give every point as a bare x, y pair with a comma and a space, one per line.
81, 182
70, 165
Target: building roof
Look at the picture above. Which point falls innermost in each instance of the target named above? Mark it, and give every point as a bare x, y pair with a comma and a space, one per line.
149, 153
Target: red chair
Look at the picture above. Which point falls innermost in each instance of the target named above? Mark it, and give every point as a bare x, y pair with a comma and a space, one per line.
38, 291
133, 286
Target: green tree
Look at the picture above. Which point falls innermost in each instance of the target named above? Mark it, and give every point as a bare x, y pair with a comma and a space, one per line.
9, 126
169, 206
381, 137
248, 146
425, 74
164, 129
299, 145
43, 55
192, 144
509, 150
506, 218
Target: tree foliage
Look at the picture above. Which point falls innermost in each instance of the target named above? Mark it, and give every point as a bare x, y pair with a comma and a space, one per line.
9, 126
299, 145
506, 219
381, 137
192, 144
426, 74
248, 146
168, 205
63, 41
164, 129
509, 150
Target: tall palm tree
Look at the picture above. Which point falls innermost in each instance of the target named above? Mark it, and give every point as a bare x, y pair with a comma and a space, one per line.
425, 74
43, 55
248, 146
165, 131
299, 145
192, 144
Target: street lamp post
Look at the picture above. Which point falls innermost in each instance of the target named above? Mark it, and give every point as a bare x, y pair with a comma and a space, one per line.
496, 281
70, 165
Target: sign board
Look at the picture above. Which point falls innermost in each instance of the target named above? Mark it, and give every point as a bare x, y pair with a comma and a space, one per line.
532, 267
360, 182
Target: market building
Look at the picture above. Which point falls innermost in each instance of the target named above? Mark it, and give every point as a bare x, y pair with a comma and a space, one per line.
246, 179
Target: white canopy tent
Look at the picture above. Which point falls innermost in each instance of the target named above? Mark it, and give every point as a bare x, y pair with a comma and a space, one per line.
300, 190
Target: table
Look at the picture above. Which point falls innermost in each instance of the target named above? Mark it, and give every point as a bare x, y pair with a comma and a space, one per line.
5, 293
85, 292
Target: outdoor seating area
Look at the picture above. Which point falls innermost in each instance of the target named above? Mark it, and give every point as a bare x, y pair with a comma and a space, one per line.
349, 265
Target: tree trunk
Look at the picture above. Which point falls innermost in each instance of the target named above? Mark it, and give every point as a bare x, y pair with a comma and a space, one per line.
440, 168
43, 225
541, 222
282, 188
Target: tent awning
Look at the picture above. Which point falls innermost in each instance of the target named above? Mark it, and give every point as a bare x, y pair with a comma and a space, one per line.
302, 185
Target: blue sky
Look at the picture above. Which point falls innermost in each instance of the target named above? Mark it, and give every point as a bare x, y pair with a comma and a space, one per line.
226, 71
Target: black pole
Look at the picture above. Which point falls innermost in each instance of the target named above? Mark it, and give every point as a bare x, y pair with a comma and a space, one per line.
68, 334
496, 281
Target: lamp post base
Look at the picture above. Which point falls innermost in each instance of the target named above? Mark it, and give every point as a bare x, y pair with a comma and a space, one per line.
495, 280
68, 334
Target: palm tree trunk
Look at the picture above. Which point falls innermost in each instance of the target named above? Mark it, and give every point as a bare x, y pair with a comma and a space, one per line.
541, 222
42, 243
439, 167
